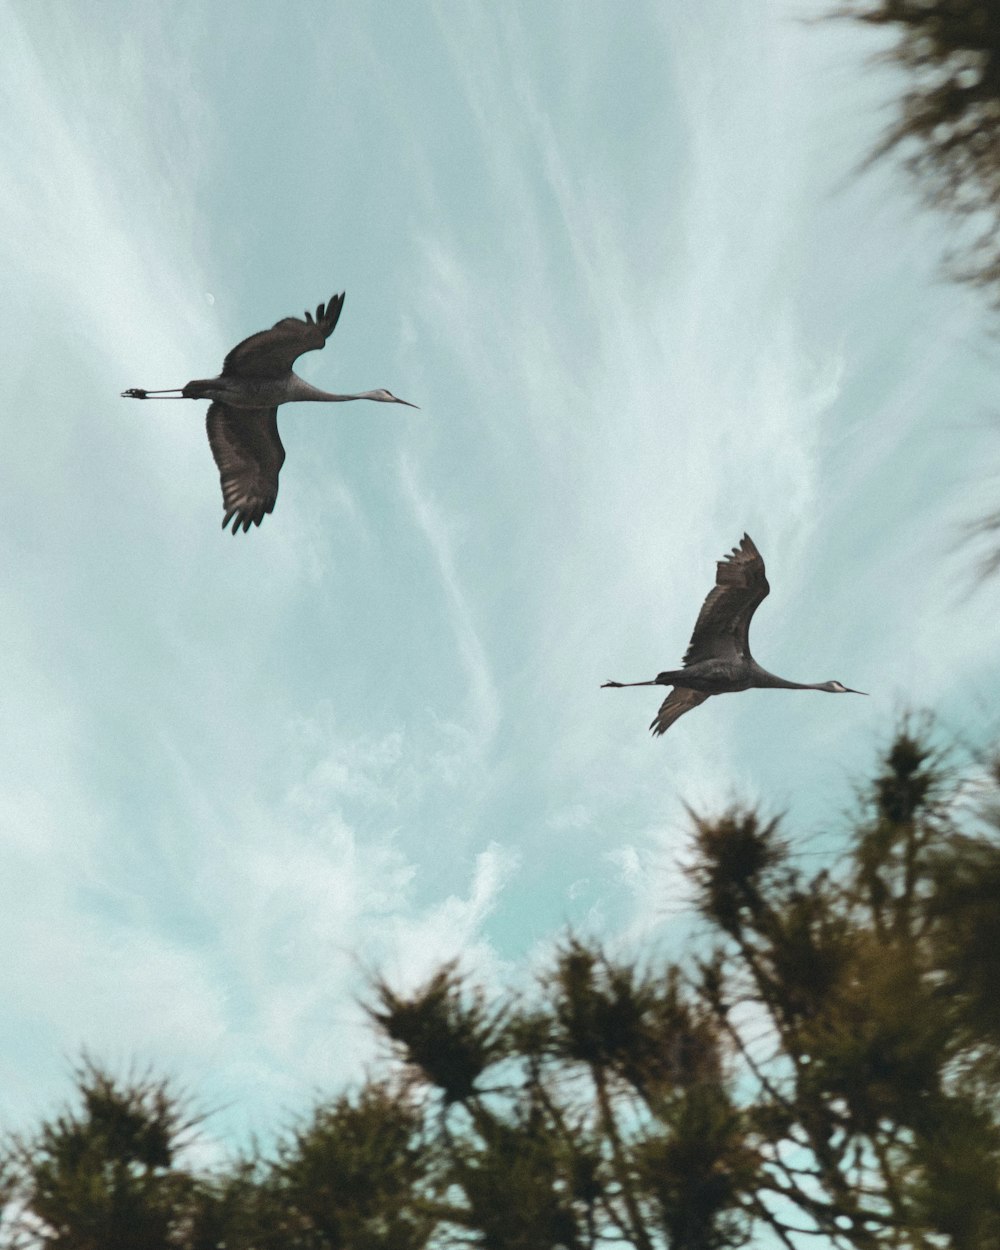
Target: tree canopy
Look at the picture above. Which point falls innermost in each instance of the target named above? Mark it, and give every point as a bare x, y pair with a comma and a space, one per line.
824, 1065
948, 124
947, 131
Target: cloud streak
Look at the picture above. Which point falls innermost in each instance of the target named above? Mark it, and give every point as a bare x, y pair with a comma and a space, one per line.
239, 772
482, 687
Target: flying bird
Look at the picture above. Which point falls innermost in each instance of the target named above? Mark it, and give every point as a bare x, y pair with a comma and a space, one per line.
718, 658
243, 416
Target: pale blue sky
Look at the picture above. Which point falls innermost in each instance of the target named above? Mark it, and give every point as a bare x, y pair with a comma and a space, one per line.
617, 256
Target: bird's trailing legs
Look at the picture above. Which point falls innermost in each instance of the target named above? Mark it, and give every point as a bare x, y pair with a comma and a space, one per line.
136, 392
619, 684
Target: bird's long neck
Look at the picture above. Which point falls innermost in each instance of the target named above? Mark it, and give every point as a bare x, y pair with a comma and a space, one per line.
300, 389
763, 678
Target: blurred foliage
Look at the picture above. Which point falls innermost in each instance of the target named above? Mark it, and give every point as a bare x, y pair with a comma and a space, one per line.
947, 131
822, 1069
351, 1175
444, 1033
105, 1176
948, 126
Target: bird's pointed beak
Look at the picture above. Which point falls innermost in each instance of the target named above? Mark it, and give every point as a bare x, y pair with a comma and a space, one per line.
850, 691
408, 404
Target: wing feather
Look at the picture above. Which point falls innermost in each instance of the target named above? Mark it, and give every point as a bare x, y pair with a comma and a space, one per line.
673, 707
271, 353
249, 454
723, 626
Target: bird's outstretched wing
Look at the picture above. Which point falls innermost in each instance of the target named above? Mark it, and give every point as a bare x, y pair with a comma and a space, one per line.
249, 454
723, 625
271, 353
673, 707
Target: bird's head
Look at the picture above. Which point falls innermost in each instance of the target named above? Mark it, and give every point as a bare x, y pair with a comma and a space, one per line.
387, 397
836, 687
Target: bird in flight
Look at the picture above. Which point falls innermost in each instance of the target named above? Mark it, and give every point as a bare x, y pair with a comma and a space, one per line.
718, 659
243, 416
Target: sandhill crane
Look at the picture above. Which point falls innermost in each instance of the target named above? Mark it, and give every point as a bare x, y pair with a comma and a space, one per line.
243, 416
718, 658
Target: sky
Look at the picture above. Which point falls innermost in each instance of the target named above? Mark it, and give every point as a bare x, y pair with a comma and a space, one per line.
623, 259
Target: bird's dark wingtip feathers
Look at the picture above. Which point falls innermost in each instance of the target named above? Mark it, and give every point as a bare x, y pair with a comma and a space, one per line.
328, 315
242, 520
747, 549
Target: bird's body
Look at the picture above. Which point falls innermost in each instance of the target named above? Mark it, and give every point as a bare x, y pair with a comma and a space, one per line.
253, 392
710, 677
718, 659
242, 419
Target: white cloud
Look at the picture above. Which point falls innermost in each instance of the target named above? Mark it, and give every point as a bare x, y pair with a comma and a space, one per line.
325, 887
482, 687
573, 817
453, 928
235, 777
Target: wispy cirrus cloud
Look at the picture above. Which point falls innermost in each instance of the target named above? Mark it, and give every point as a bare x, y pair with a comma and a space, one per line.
687, 357
194, 890
439, 535
668, 387
240, 772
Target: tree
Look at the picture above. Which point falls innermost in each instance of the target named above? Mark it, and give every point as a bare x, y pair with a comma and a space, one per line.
105, 1176
873, 1074
827, 1066
948, 132
352, 1175
948, 128
824, 1065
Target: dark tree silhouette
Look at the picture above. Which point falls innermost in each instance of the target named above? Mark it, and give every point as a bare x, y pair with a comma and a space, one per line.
948, 128
872, 1065
948, 134
822, 1069
827, 1067
355, 1174
105, 1176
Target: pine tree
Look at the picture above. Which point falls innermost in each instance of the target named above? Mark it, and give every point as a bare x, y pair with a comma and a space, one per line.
822, 1068
948, 128
106, 1175
948, 134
